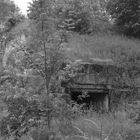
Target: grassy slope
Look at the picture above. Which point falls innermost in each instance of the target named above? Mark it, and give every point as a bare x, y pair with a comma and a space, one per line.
100, 46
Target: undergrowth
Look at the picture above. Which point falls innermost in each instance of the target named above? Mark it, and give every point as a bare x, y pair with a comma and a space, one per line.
94, 127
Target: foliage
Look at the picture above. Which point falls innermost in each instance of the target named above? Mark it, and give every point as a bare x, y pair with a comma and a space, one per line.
10, 14
125, 15
38, 7
82, 16
23, 114
27, 112
36, 65
43, 56
107, 127
73, 15
7, 7
10, 17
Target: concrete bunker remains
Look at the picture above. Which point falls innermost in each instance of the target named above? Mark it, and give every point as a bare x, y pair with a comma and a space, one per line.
94, 79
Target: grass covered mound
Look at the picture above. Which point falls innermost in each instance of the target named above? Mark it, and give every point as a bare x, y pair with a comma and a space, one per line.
102, 46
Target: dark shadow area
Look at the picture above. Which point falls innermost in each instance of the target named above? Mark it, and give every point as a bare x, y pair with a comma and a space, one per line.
99, 101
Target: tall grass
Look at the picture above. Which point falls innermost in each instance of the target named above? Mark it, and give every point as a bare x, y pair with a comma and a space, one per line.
95, 127
100, 46
106, 127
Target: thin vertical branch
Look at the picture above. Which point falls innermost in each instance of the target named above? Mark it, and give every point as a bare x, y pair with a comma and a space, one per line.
46, 77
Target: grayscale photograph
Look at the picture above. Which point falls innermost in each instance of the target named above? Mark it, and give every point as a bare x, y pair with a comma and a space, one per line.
69, 69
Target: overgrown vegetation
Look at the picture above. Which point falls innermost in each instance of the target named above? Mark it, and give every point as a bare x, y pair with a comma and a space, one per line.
126, 16
42, 52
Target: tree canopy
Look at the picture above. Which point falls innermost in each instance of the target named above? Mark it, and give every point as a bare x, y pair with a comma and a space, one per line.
73, 15
126, 15
9, 13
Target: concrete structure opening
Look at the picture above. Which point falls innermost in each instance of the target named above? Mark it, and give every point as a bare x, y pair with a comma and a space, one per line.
98, 101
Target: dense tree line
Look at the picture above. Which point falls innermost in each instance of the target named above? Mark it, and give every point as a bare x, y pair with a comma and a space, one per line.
73, 15
94, 15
